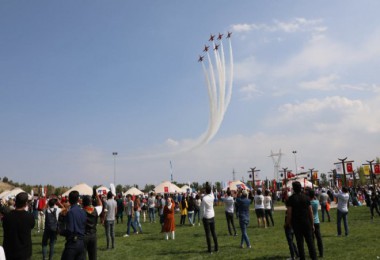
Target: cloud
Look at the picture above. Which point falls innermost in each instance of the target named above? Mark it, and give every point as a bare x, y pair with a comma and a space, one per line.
324, 83
250, 91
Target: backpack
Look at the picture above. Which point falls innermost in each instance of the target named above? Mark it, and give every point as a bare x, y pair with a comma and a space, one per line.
51, 222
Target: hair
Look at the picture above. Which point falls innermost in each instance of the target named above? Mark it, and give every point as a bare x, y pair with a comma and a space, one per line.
109, 195
266, 192
21, 200
183, 202
297, 187
86, 201
52, 202
258, 192
344, 189
208, 189
73, 197
228, 192
311, 194
244, 193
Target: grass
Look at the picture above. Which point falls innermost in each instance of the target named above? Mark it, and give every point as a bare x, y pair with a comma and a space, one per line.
270, 243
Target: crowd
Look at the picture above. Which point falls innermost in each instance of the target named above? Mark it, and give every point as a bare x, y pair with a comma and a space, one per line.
76, 217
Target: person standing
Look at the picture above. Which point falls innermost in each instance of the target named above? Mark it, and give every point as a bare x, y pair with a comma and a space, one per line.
342, 210
109, 219
259, 209
161, 205
17, 230
300, 218
289, 234
51, 226
190, 210
317, 230
75, 222
183, 208
169, 222
268, 205
129, 209
243, 206
198, 202
120, 209
324, 199
137, 208
41, 213
229, 206
208, 218
92, 213
152, 208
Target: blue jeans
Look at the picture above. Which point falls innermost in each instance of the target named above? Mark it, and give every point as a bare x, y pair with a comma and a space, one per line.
190, 215
339, 220
152, 215
197, 213
50, 236
292, 246
129, 224
137, 221
243, 227
110, 232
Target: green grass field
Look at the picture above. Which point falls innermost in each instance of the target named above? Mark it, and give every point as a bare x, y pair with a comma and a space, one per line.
270, 243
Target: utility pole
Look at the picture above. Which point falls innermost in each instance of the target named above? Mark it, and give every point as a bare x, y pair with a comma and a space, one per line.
295, 160
252, 175
343, 162
285, 176
114, 167
371, 171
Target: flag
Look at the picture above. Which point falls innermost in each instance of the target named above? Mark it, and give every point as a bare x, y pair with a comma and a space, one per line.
349, 167
315, 175
339, 169
377, 168
291, 175
366, 170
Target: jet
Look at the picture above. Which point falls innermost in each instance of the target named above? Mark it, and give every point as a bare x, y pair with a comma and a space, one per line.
200, 58
220, 36
229, 34
206, 48
211, 37
216, 47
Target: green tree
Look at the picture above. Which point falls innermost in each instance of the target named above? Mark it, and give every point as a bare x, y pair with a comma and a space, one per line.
119, 188
323, 180
5, 179
148, 187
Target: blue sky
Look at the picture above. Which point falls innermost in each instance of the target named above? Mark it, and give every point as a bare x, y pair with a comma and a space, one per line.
80, 80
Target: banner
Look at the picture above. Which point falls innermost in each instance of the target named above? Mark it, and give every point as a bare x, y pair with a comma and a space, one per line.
377, 168
349, 167
315, 175
366, 169
338, 168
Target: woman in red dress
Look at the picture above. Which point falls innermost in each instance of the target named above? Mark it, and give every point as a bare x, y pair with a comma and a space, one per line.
169, 222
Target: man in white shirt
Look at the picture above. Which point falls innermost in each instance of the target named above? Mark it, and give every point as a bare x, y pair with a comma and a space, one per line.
208, 214
342, 210
229, 209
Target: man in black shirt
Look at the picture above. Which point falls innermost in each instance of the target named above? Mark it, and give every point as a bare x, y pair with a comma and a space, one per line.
300, 218
17, 227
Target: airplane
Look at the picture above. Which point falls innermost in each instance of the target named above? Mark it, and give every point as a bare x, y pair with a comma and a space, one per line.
206, 48
220, 36
216, 47
229, 34
200, 58
211, 37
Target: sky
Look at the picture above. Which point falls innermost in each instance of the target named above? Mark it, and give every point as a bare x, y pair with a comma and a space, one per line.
81, 80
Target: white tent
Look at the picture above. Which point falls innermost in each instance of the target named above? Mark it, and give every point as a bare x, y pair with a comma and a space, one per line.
303, 182
102, 190
185, 188
4, 194
235, 185
82, 188
133, 191
167, 187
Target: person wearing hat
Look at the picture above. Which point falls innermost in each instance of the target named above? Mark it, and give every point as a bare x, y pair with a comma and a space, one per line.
324, 199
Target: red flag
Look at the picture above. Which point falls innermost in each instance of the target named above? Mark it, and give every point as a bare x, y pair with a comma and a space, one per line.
349, 167
166, 189
377, 168
291, 175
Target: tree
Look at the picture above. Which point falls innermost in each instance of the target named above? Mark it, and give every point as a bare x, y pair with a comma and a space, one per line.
148, 187
119, 188
195, 186
5, 179
323, 180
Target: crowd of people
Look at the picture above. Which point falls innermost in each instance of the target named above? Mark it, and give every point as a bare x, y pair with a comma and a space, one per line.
76, 217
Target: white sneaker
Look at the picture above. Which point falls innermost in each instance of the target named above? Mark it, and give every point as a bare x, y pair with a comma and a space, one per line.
126, 235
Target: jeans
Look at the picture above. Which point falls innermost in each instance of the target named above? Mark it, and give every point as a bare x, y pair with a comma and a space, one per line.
317, 235
292, 247
209, 226
74, 250
129, 224
110, 232
90, 245
197, 213
339, 220
50, 236
323, 209
137, 221
268, 212
152, 215
190, 215
230, 222
243, 227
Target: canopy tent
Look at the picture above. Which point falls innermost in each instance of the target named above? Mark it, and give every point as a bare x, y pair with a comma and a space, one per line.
4, 194
133, 191
102, 190
167, 187
186, 188
235, 185
82, 188
13, 193
303, 182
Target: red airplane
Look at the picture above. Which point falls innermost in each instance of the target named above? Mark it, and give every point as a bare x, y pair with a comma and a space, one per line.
216, 47
229, 34
220, 36
200, 58
206, 48
211, 37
